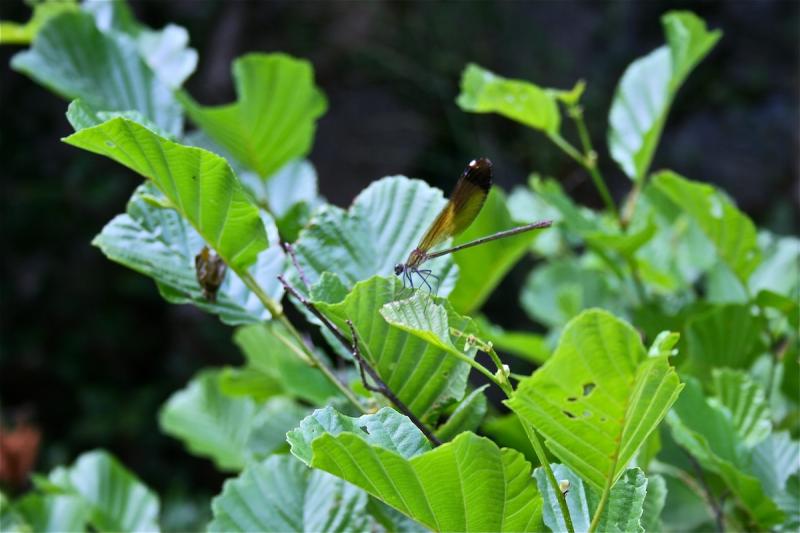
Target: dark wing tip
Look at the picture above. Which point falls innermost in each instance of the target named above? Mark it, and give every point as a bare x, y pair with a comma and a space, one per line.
479, 172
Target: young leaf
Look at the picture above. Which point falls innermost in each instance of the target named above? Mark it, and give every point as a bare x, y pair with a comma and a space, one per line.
264, 346
709, 435
416, 360
483, 267
731, 232
485, 92
281, 494
275, 117
116, 499
598, 397
158, 242
647, 88
385, 222
229, 430
73, 58
746, 402
468, 484
198, 184
467, 416
723, 336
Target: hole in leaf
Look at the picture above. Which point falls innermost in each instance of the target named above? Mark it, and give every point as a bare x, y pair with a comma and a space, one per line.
572, 399
365, 430
587, 414
110, 144
570, 415
588, 388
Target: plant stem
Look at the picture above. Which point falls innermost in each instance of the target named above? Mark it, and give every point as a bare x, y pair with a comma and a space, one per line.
276, 311
542, 456
590, 159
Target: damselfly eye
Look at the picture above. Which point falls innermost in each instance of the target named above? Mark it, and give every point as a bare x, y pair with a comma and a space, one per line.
398, 269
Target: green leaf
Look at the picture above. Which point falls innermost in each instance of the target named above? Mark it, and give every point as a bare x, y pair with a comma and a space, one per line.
648, 86
654, 503
507, 431
779, 271
557, 291
467, 416
483, 267
11, 520
408, 343
789, 501
230, 430
727, 335
746, 403
485, 92
528, 346
71, 57
623, 512
281, 494
275, 117
775, 459
731, 232
158, 242
115, 499
265, 348
468, 484
598, 397
709, 435
575, 496
200, 185
386, 429
386, 221
52, 513
15, 33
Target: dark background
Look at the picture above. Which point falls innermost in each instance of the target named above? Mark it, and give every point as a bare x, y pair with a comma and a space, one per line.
88, 349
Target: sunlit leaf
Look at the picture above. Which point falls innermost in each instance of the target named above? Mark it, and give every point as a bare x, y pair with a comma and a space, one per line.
24, 33
281, 494
115, 498
709, 435
230, 430
646, 90
746, 402
731, 232
481, 268
198, 184
159, 243
274, 119
385, 223
467, 415
468, 484
73, 58
664, 344
416, 360
485, 92
598, 397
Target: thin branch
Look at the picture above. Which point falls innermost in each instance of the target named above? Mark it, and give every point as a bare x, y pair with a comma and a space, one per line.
289, 249
380, 385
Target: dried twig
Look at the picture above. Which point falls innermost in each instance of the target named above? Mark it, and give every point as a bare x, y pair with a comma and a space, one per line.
289, 249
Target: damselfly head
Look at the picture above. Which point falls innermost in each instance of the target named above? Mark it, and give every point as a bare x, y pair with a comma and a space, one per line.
399, 268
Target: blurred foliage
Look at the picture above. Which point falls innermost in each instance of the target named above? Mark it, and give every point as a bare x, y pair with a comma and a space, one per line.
89, 351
